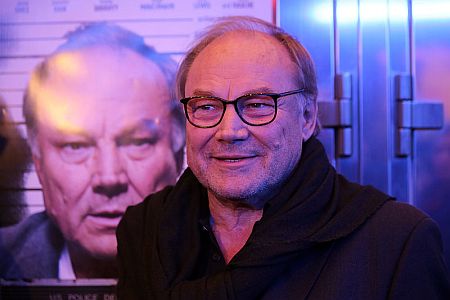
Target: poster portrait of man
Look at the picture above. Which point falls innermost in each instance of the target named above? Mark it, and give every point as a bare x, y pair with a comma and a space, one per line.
102, 124
104, 132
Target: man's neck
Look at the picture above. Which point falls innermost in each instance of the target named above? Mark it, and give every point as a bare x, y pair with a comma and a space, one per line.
86, 266
232, 224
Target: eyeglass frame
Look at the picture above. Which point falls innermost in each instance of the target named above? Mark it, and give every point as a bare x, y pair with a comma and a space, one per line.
274, 96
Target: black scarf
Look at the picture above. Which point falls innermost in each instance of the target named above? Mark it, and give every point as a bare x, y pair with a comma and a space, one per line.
316, 205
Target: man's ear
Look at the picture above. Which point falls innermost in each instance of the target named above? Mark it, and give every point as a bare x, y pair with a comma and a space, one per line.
310, 120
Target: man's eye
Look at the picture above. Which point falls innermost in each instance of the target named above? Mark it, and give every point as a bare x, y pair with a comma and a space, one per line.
74, 146
256, 102
142, 142
137, 142
75, 152
256, 105
139, 148
206, 107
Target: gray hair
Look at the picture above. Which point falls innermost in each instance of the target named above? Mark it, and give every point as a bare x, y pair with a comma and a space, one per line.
306, 75
115, 37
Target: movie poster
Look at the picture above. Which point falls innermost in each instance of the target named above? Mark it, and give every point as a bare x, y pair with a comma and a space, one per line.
88, 122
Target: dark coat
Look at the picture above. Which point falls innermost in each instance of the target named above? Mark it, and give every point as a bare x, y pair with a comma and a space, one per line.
30, 249
321, 237
396, 254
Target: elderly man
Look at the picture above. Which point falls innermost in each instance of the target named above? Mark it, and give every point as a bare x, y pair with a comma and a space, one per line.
260, 213
105, 131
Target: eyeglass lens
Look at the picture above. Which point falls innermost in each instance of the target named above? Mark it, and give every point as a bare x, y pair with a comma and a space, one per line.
254, 109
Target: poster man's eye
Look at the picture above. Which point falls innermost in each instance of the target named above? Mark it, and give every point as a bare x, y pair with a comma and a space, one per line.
75, 152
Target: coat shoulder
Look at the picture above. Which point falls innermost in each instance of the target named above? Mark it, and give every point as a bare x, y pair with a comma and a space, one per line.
31, 248
401, 216
15, 236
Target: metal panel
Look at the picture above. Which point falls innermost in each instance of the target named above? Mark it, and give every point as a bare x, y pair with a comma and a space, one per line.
346, 33
311, 21
400, 57
397, 53
328, 29
375, 91
431, 47
369, 44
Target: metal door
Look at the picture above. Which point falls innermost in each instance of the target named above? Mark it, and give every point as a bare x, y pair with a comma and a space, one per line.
431, 71
332, 39
379, 62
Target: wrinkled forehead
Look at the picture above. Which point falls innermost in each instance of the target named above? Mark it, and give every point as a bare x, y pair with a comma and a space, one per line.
96, 82
246, 57
98, 74
100, 64
244, 48
247, 42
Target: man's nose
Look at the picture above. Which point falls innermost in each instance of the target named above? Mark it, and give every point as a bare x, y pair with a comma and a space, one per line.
110, 176
231, 129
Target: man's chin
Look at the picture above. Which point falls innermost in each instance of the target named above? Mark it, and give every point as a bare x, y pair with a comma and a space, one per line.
105, 248
104, 254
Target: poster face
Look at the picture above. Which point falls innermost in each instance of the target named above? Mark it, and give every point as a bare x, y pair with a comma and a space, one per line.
89, 124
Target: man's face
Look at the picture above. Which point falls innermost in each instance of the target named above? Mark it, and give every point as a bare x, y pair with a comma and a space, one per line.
103, 142
234, 160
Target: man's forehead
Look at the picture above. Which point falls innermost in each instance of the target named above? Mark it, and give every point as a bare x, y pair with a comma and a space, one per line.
103, 61
97, 74
71, 109
243, 60
125, 128
240, 49
72, 112
246, 41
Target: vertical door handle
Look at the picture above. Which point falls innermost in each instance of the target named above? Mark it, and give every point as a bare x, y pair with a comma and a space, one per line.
337, 114
412, 115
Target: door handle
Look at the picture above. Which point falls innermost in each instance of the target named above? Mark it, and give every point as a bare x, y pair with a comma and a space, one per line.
337, 114
412, 115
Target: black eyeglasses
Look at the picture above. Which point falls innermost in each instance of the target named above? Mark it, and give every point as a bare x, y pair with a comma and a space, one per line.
254, 109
